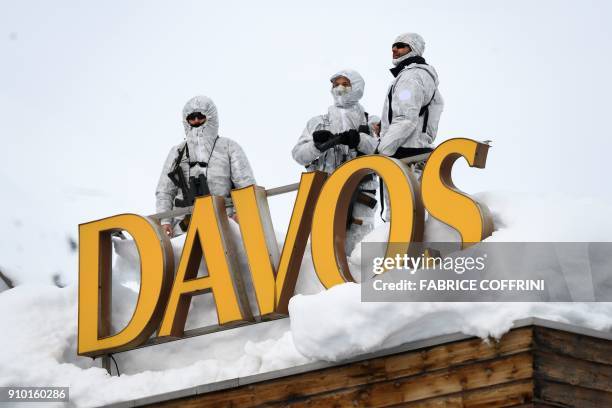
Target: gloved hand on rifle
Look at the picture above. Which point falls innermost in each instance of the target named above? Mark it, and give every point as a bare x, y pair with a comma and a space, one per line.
321, 136
324, 139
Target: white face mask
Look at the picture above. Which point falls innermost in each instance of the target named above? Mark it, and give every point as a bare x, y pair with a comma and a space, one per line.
341, 90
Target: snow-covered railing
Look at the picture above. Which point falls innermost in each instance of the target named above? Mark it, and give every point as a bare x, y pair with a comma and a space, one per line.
270, 192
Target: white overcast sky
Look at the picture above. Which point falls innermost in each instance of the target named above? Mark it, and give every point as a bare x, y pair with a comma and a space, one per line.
91, 92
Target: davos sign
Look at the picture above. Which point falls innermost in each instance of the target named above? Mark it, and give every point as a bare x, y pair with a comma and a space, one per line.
319, 212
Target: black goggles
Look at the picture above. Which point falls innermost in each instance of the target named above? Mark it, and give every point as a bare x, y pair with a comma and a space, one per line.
399, 45
195, 115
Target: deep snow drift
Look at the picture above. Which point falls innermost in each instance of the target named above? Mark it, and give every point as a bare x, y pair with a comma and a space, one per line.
40, 347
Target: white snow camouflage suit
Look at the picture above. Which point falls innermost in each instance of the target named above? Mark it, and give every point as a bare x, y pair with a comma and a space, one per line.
228, 166
414, 87
345, 114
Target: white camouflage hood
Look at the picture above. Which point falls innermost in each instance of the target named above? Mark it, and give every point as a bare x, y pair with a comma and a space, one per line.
205, 134
357, 88
416, 43
347, 113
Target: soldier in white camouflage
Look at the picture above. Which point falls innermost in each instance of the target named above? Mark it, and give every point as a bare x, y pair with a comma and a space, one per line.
339, 135
203, 154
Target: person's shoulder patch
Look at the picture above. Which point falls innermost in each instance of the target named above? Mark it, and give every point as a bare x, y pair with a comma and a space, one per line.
405, 95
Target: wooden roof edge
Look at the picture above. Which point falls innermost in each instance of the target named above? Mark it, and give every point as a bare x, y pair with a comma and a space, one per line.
317, 365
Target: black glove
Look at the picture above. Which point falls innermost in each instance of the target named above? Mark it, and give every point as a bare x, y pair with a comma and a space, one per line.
350, 138
364, 129
324, 139
321, 136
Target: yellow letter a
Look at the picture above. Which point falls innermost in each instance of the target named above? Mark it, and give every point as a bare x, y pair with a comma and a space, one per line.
207, 235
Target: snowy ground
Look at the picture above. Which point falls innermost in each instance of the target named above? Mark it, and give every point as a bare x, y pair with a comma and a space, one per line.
40, 319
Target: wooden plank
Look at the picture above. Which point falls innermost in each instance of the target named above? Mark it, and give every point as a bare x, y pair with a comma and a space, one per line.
569, 370
574, 345
384, 368
372, 390
506, 395
514, 394
565, 395
533, 366
462, 352
439, 383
